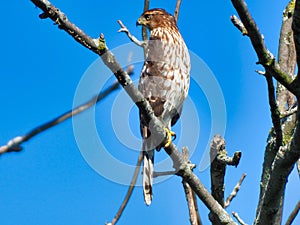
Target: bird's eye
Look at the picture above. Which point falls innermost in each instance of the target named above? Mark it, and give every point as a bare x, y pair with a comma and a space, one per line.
148, 17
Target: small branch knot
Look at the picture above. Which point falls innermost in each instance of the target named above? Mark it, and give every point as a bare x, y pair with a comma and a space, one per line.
101, 45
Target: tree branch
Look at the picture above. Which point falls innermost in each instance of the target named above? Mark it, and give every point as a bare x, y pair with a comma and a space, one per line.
130, 36
286, 57
63, 23
130, 190
164, 173
282, 166
293, 214
236, 215
234, 191
219, 159
266, 58
144, 29
155, 124
190, 195
177, 8
14, 145
275, 114
275, 174
238, 24
281, 127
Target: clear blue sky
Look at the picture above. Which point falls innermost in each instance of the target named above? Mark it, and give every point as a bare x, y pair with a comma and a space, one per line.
50, 182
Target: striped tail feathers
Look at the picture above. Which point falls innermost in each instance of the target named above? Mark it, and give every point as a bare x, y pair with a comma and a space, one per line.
148, 176
147, 167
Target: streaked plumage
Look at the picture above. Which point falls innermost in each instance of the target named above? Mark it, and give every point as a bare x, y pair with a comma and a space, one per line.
164, 82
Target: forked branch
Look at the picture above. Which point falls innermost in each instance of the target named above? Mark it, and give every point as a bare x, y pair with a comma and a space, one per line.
266, 58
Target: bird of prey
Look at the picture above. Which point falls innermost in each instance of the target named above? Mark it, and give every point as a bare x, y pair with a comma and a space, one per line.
164, 82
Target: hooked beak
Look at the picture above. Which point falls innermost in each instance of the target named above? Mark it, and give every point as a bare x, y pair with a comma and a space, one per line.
140, 21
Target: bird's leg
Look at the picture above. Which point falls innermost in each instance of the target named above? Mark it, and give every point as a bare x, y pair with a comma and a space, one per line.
171, 135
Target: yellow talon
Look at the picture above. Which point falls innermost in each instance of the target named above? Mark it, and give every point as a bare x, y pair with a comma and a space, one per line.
170, 134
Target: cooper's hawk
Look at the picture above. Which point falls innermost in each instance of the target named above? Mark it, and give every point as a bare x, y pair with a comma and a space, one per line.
164, 82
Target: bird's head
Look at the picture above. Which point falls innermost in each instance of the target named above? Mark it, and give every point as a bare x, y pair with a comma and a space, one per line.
155, 18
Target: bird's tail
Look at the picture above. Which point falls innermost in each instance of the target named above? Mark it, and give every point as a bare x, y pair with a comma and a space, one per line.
148, 175
148, 153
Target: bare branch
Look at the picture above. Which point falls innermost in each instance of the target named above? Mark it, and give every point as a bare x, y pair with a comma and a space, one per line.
190, 195
277, 164
282, 128
130, 36
238, 24
277, 171
177, 8
144, 29
286, 57
266, 58
282, 166
275, 114
60, 19
164, 173
130, 189
14, 145
293, 214
188, 176
234, 191
219, 161
236, 215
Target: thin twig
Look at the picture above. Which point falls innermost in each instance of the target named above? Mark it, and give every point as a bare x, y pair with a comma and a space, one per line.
164, 173
238, 218
293, 214
130, 36
260, 72
234, 191
130, 189
144, 29
238, 24
190, 196
177, 8
275, 114
15, 143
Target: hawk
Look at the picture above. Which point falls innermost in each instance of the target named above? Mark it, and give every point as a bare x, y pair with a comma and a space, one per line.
164, 82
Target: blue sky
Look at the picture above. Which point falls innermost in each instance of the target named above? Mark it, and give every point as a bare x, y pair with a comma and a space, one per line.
51, 180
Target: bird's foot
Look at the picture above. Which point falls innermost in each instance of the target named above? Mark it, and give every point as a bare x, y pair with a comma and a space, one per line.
171, 136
